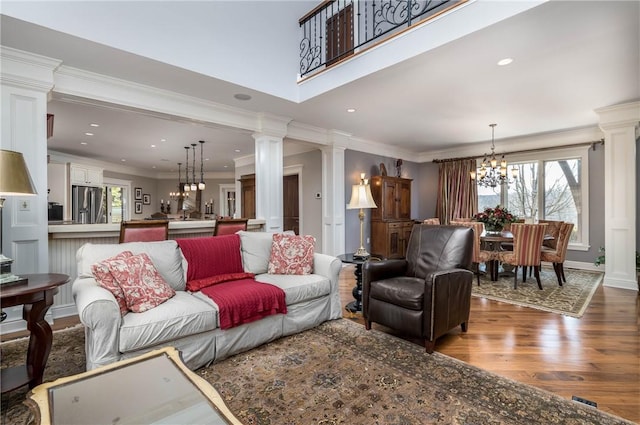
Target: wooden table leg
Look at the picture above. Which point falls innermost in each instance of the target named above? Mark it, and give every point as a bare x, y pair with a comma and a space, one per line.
40, 339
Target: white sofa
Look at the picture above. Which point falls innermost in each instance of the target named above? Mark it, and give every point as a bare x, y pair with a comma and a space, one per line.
189, 321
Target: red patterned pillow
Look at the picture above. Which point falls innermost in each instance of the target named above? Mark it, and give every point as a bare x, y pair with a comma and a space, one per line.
105, 279
142, 285
291, 254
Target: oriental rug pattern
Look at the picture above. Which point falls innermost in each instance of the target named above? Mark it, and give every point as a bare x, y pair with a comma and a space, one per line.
570, 299
339, 373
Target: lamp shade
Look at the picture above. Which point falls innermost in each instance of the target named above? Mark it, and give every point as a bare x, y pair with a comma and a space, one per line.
361, 197
14, 175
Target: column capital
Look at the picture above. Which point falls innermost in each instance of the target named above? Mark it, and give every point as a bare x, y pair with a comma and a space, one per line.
27, 70
271, 126
622, 115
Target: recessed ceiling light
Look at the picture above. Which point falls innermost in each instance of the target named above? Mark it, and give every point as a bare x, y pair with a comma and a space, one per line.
88, 134
153, 166
153, 146
83, 143
242, 96
237, 150
123, 160
351, 110
226, 166
505, 61
94, 125
163, 140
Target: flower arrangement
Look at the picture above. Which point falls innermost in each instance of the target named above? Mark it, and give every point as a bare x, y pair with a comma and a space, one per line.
495, 219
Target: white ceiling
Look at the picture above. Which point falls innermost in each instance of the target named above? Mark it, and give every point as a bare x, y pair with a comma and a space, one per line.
570, 58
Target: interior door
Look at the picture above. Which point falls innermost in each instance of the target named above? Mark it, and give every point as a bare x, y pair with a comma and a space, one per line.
340, 35
291, 207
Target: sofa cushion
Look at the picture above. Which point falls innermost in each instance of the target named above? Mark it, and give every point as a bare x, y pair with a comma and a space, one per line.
165, 255
291, 254
182, 315
105, 279
299, 288
141, 284
256, 250
211, 256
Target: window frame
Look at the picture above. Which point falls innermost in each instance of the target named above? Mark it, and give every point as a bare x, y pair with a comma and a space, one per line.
578, 152
126, 207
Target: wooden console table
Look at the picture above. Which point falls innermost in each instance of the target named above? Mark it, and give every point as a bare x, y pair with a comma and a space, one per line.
37, 296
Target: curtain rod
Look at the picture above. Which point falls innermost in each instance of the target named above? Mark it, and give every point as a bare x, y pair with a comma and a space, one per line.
550, 148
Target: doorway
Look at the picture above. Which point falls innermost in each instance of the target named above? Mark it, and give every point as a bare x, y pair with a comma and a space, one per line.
291, 205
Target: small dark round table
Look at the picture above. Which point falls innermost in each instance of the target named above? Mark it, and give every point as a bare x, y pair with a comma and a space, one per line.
356, 306
37, 296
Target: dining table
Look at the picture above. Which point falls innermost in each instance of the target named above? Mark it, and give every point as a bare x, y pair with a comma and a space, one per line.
493, 241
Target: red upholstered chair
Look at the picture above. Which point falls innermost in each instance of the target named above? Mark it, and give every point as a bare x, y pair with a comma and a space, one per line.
144, 231
229, 226
558, 255
479, 255
433, 220
527, 245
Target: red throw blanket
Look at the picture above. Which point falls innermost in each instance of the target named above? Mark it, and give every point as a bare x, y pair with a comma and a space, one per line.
245, 301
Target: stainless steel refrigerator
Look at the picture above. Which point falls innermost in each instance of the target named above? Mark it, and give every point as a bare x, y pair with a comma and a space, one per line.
88, 205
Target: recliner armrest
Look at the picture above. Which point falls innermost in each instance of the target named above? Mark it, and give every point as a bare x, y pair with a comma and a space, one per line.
378, 270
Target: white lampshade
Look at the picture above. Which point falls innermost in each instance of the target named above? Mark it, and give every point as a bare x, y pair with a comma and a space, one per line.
361, 197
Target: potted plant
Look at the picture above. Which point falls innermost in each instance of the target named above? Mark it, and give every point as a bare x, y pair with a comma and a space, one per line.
495, 219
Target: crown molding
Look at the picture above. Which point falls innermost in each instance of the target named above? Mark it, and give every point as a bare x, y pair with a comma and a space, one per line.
27, 70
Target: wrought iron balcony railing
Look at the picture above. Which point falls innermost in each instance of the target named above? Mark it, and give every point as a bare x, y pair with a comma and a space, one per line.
337, 29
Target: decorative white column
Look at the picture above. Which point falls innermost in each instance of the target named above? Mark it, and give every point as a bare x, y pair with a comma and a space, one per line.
25, 80
334, 203
620, 125
269, 171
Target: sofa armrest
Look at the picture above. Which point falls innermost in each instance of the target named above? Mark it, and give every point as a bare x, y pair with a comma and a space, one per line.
329, 267
99, 313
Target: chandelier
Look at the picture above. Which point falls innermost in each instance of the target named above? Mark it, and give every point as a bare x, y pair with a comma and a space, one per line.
490, 174
179, 194
201, 185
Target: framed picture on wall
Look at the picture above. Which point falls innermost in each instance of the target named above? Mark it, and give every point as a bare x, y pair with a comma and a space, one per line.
138, 193
146, 199
138, 206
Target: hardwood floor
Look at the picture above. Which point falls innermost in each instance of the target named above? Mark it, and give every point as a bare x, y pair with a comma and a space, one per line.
596, 357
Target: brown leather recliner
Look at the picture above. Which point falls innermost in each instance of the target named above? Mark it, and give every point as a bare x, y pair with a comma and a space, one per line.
428, 293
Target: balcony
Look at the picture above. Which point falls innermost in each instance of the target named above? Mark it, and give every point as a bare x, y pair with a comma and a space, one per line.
339, 29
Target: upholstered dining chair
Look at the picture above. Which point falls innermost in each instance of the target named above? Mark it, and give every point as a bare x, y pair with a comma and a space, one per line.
427, 293
229, 226
479, 255
527, 246
553, 230
434, 220
557, 256
144, 230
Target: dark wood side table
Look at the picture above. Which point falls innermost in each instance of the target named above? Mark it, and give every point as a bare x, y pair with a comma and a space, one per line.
356, 306
37, 296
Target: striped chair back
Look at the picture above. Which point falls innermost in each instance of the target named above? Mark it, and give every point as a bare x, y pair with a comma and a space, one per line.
433, 220
554, 230
563, 240
527, 243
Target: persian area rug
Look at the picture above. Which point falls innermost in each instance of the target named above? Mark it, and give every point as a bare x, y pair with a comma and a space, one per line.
570, 299
339, 373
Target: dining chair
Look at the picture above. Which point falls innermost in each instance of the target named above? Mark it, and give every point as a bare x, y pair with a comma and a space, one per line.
433, 221
553, 230
557, 256
479, 255
144, 230
229, 226
527, 247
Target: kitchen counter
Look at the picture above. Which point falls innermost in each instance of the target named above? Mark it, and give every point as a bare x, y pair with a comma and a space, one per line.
103, 230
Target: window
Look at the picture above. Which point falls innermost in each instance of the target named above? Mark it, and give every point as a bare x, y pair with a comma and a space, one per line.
551, 185
117, 193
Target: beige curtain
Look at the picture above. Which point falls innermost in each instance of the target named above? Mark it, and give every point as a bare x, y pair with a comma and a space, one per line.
457, 193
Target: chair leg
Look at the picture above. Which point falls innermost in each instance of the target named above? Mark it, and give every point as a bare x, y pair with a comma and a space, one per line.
556, 268
515, 277
524, 274
367, 325
536, 271
561, 266
429, 345
464, 326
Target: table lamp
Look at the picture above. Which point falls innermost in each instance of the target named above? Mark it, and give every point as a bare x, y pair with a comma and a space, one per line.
14, 181
361, 198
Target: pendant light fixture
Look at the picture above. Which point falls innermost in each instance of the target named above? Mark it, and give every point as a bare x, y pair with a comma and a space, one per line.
194, 185
490, 174
201, 185
187, 186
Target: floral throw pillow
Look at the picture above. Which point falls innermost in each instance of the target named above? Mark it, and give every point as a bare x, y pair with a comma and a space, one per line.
291, 254
142, 285
103, 276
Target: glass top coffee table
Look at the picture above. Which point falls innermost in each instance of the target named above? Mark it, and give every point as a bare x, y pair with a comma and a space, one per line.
155, 388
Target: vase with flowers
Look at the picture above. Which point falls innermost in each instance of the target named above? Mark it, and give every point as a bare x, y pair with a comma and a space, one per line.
495, 219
